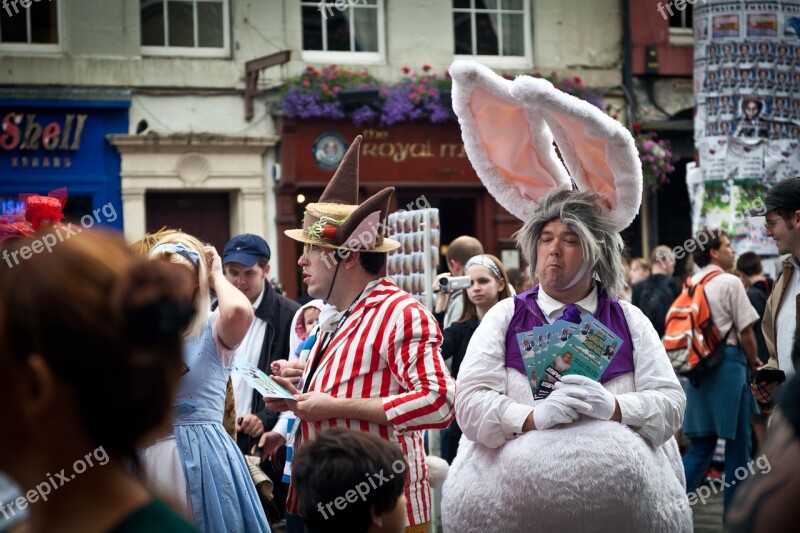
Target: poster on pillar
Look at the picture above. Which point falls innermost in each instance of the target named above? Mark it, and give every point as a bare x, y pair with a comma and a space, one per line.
722, 204
747, 125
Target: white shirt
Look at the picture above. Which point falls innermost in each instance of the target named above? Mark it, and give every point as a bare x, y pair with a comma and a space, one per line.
249, 350
454, 309
486, 414
786, 322
730, 307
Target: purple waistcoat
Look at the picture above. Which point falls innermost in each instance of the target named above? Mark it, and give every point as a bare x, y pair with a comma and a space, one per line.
528, 315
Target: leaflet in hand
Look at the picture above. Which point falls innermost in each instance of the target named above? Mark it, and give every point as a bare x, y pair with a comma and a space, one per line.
264, 384
562, 348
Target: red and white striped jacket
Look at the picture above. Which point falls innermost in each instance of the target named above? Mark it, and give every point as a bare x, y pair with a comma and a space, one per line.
388, 347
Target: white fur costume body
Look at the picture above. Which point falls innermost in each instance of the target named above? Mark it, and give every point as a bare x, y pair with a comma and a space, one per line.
590, 475
587, 476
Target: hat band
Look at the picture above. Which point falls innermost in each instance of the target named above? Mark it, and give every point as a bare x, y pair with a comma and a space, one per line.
322, 229
325, 230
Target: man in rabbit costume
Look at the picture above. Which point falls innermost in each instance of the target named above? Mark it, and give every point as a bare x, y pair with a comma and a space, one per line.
591, 456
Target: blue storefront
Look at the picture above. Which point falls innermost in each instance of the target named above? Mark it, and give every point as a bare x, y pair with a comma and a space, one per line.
60, 141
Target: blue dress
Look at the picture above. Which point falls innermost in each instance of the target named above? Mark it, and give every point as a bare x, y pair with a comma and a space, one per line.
221, 491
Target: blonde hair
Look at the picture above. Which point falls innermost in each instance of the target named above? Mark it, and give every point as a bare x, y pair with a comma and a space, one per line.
202, 297
149, 241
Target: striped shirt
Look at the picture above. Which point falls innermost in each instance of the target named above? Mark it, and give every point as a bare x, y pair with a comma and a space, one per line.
388, 347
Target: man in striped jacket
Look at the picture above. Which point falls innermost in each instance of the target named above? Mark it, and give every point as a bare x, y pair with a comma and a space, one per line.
376, 365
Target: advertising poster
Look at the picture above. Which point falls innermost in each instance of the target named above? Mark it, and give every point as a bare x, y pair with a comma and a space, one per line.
747, 125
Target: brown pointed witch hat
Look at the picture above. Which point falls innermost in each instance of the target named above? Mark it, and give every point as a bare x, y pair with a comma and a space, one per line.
337, 220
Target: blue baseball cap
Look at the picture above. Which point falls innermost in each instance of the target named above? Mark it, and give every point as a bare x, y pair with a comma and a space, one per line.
245, 249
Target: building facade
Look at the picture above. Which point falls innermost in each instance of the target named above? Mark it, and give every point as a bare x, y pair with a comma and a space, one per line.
186, 92
660, 58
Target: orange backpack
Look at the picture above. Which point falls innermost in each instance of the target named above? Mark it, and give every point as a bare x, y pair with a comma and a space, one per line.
692, 341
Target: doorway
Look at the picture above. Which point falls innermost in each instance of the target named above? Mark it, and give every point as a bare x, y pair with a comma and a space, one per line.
206, 215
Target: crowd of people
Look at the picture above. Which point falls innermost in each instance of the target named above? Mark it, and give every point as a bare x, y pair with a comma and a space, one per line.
130, 356
735, 401
155, 297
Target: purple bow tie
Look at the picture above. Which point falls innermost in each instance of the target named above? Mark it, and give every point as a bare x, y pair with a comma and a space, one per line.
572, 313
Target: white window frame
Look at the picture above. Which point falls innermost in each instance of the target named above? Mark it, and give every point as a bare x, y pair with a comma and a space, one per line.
498, 61
37, 48
336, 57
191, 51
681, 36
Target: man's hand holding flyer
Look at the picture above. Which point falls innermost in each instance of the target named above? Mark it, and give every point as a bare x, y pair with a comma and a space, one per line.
264, 384
563, 348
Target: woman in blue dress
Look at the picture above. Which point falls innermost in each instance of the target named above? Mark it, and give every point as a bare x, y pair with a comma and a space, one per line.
197, 464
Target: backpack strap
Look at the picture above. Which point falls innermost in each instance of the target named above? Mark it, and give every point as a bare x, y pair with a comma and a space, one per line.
690, 288
702, 283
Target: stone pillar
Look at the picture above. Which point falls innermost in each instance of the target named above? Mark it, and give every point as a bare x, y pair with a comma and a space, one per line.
133, 213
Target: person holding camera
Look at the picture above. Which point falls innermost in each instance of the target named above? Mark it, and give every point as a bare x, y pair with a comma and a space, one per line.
488, 285
450, 297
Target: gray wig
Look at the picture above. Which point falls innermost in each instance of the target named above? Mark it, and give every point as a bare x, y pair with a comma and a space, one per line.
581, 212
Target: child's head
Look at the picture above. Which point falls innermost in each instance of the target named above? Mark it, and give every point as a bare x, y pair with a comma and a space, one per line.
310, 318
306, 319
351, 481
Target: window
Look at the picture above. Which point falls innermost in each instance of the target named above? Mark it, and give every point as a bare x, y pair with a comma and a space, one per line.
33, 28
195, 28
496, 31
680, 26
681, 18
343, 31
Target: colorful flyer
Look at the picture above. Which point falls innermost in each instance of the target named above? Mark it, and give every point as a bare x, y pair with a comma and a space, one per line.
584, 349
264, 384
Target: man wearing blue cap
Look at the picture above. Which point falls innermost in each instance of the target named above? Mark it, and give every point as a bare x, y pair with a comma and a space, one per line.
245, 262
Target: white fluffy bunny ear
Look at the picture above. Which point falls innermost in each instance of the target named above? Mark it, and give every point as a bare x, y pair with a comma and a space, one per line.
510, 147
598, 151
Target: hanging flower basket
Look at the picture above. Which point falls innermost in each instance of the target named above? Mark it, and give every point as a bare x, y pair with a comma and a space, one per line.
418, 96
658, 159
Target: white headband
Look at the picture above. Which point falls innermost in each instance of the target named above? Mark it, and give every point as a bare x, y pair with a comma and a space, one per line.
484, 260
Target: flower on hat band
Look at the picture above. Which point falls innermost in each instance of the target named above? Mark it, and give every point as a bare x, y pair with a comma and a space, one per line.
325, 228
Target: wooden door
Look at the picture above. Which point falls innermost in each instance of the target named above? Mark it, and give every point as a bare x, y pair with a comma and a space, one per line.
202, 214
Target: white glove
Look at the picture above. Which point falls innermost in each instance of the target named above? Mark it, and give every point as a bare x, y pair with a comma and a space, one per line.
600, 401
560, 407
